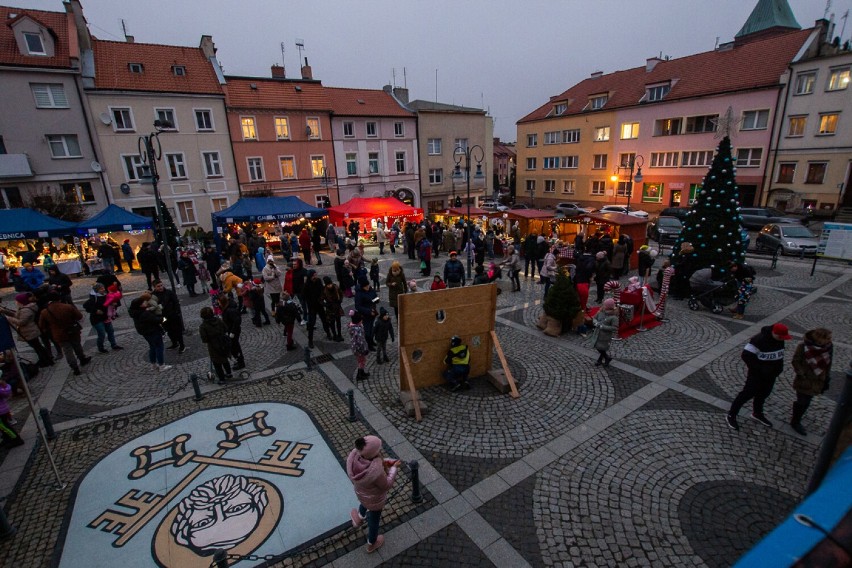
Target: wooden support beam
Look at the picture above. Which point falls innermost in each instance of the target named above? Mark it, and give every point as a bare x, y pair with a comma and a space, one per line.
505, 364
409, 379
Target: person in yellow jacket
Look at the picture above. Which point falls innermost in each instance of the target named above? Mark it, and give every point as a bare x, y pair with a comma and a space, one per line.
228, 279
458, 365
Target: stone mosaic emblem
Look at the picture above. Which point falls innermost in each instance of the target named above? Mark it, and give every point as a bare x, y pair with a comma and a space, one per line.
253, 479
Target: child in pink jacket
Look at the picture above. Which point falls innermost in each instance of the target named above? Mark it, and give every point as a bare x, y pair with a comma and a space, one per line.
111, 302
372, 477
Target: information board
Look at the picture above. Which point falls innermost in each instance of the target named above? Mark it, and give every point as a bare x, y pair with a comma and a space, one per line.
836, 241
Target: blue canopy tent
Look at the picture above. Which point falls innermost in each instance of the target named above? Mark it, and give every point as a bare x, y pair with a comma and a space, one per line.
114, 218
266, 209
30, 224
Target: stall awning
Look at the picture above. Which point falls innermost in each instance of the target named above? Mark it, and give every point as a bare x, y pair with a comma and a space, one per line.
30, 224
113, 218
615, 218
370, 207
264, 209
462, 212
528, 214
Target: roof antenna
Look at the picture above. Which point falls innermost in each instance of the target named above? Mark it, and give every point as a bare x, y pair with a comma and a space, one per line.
715, 47
124, 27
827, 9
405, 77
300, 45
393, 73
283, 62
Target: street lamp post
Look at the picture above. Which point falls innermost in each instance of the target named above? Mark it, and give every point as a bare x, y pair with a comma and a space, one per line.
150, 151
475, 152
634, 163
326, 183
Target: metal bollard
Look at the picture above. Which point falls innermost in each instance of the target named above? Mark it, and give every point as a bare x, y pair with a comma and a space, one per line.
308, 358
350, 394
194, 378
220, 558
6, 529
416, 495
48, 423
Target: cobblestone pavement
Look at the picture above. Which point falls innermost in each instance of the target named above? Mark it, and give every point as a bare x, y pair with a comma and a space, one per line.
631, 465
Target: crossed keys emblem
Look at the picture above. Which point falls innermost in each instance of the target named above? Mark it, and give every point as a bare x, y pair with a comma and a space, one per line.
283, 458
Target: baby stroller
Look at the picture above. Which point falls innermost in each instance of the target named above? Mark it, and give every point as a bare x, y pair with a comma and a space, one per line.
712, 294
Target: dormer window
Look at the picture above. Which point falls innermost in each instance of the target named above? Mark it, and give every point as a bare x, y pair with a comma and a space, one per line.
179, 70
597, 102
136, 67
656, 92
35, 46
559, 109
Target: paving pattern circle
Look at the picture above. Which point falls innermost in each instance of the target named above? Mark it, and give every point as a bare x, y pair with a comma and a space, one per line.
826, 313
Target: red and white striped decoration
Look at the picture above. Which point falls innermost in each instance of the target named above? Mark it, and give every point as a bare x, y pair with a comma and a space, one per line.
664, 292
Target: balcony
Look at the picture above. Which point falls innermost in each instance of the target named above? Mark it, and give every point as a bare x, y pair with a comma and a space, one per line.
15, 166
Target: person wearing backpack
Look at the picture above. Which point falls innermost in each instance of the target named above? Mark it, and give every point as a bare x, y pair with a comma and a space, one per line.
98, 312
214, 334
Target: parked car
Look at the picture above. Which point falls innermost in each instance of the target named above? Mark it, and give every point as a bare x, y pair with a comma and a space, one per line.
665, 230
520, 206
624, 210
679, 212
786, 238
570, 209
489, 205
755, 218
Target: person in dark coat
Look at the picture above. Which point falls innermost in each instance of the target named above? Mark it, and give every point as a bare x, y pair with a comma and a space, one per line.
214, 334
366, 302
313, 298
645, 260
129, 256
529, 250
214, 263
332, 302
305, 244
173, 323
579, 243
107, 255
189, 272
606, 245
409, 241
300, 276
234, 324
603, 271
147, 259
583, 272
148, 321
316, 243
60, 283
812, 364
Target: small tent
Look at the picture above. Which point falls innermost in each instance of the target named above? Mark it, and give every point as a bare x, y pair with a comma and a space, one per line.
30, 224
372, 207
114, 218
266, 209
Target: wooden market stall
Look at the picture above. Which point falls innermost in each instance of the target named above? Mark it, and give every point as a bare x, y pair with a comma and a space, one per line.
538, 221
615, 224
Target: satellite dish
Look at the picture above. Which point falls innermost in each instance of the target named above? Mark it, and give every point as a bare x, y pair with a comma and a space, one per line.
105, 118
97, 167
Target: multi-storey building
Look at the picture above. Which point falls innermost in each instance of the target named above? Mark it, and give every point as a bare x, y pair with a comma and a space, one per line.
375, 145
667, 117
443, 128
504, 162
282, 137
45, 141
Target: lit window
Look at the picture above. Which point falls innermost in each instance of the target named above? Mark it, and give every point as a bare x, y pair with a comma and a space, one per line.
186, 212
317, 166
755, 120
828, 123
248, 127
313, 128
177, 166
282, 128
601, 133
255, 169
122, 120
796, 126
433, 147
749, 157
49, 96
629, 130
352, 164
203, 119
34, 44
372, 130
288, 167
64, 146
838, 79
80, 193
805, 83
212, 164
373, 162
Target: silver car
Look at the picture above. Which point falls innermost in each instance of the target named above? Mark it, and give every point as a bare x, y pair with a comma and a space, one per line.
786, 238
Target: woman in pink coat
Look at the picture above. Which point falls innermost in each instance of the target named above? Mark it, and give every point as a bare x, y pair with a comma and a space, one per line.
372, 477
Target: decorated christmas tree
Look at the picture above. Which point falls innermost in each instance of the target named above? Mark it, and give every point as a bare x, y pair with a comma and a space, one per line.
562, 302
172, 233
713, 223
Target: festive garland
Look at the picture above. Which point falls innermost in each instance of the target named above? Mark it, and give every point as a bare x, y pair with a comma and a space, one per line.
664, 292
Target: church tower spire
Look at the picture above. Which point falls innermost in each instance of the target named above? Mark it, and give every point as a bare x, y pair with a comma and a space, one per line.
769, 16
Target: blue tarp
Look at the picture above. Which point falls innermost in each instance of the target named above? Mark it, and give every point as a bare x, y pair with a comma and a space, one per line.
30, 224
114, 218
264, 209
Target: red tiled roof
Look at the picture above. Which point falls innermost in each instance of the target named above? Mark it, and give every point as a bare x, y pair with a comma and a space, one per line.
112, 72
276, 94
754, 65
56, 22
365, 102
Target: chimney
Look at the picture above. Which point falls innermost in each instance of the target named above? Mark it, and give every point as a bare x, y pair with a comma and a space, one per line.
388, 89
278, 72
307, 73
208, 48
650, 63
597, 74
130, 39
401, 94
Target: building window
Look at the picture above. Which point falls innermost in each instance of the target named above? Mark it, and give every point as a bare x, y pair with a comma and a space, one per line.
136, 68
602, 134
203, 119
219, 204
133, 167
177, 166
828, 123
532, 140
531, 185
571, 136
400, 162
461, 143
698, 124
372, 130
255, 169
629, 130
667, 127
34, 44
433, 147
349, 130
398, 129
664, 159
436, 176
749, 157
657, 92
559, 109
550, 163
599, 162
122, 119
179, 70
550, 186
531, 163
816, 172
313, 128
49, 95
64, 146
287, 164
755, 120
552, 137
623, 189
166, 115
598, 102
352, 164
696, 159
317, 166
80, 192
805, 83
282, 128
796, 126
568, 186
598, 188
248, 127
186, 212
786, 172
212, 164
838, 80
10, 198
373, 162
625, 160
570, 162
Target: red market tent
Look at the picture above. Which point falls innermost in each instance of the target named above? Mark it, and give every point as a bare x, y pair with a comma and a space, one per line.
372, 207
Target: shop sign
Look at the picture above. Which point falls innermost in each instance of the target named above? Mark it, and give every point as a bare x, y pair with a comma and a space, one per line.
11, 236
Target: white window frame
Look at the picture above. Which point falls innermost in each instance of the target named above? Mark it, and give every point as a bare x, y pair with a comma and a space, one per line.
749, 157
213, 204
598, 187
248, 130
30, 50
176, 161
602, 134
136, 67
280, 121
824, 172
688, 163
317, 172
657, 92
836, 79
552, 137
629, 130
798, 132
372, 129
374, 158
599, 161
550, 186
314, 135
255, 168
571, 136
436, 176
126, 114
569, 186
668, 126
213, 165
707, 120
597, 102
822, 117
532, 140
792, 178
550, 163
52, 94
319, 200
189, 207
61, 141
349, 129
166, 112
664, 159
204, 113
351, 160
133, 161
179, 70
531, 163
569, 162
281, 167
530, 186
398, 129
805, 82
751, 119
397, 159
462, 143
559, 109
434, 146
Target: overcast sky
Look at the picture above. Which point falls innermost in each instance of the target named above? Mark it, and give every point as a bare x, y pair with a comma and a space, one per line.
507, 56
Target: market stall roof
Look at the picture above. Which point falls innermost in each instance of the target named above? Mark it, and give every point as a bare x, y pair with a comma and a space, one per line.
260, 209
368, 207
615, 218
526, 214
30, 224
114, 218
462, 212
